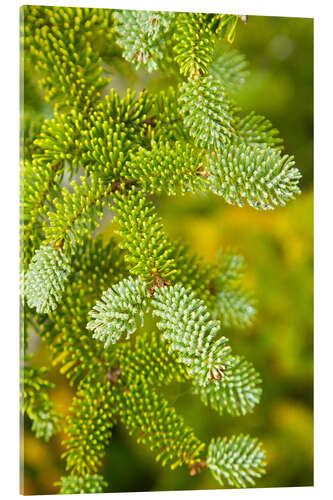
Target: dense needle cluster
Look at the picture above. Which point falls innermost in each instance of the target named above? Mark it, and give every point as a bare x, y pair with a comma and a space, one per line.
88, 299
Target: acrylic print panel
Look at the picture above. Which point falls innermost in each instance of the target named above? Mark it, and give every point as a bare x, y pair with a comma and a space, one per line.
166, 306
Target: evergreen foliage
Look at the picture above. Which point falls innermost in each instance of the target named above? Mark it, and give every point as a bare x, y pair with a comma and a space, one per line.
72, 349
168, 123
146, 414
193, 44
30, 129
238, 391
143, 237
36, 403
61, 42
76, 213
116, 313
225, 25
257, 131
236, 307
169, 167
207, 112
234, 304
45, 278
190, 332
91, 409
230, 67
70, 485
152, 359
238, 460
192, 272
83, 296
260, 177
142, 34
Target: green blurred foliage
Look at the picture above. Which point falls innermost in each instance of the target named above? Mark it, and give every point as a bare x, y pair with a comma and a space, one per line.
278, 247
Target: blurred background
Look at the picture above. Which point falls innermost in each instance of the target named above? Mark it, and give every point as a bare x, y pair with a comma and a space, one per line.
278, 247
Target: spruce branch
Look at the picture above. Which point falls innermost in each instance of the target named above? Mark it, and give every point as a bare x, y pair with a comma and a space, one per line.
95, 266
257, 131
127, 116
58, 142
167, 119
234, 304
117, 311
184, 320
193, 44
45, 278
190, 137
142, 35
143, 238
190, 333
30, 127
105, 147
230, 67
225, 25
151, 358
236, 307
261, 177
35, 401
145, 413
131, 110
207, 112
60, 48
76, 213
167, 167
238, 460
39, 186
90, 483
192, 272
91, 409
238, 391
